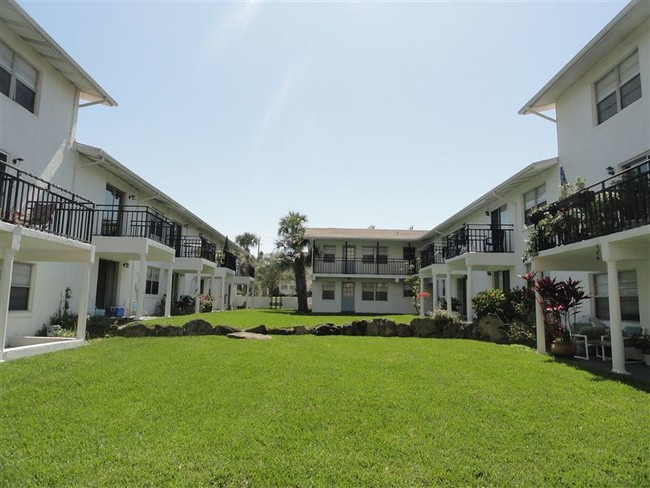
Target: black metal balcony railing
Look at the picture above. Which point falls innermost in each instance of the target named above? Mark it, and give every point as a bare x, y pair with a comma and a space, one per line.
432, 254
479, 238
615, 204
134, 221
32, 202
195, 247
392, 267
245, 269
228, 260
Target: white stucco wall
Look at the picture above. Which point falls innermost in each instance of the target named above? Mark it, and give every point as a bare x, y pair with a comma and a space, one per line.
587, 148
396, 303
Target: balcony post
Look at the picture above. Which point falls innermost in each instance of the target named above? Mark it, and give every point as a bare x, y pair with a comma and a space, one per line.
197, 299
83, 298
421, 297
142, 285
168, 289
223, 293
540, 331
448, 292
213, 287
5, 286
615, 331
468, 292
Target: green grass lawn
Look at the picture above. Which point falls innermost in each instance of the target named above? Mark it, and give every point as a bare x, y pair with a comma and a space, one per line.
271, 318
316, 411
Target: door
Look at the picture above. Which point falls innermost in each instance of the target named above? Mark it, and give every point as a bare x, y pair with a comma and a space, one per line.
347, 298
462, 295
112, 214
106, 295
348, 261
495, 241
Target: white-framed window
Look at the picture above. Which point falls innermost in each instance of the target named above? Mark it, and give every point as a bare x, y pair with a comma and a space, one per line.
628, 290
21, 282
367, 292
328, 290
372, 254
381, 292
408, 292
17, 78
534, 199
153, 280
618, 88
374, 292
329, 253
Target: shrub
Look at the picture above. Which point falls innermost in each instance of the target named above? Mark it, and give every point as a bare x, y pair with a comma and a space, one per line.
97, 327
489, 302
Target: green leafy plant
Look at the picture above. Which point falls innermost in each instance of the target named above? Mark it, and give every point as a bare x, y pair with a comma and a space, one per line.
561, 301
489, 302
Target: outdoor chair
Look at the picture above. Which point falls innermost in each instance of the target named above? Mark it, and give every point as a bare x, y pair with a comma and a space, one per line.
42, 214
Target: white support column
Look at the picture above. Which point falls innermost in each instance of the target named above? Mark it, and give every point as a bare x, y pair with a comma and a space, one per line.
448, 293
197, 300
142, 285
615, 330
5, 286
540, 329
468, 292
168, 289
213, 287
5, 290
421, 297
223, 293
83, 299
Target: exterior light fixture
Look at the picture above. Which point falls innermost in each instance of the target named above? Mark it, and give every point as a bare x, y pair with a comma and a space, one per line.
610, 171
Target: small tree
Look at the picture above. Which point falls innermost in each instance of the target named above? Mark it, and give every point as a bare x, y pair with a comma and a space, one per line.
269, 271
293, 247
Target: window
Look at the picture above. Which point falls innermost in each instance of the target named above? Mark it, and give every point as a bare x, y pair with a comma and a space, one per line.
153, 280
374, 292
372, 252
21, 280
381, 292
408, 292
328, 254
532, 200
368, 254
328, 290
618, 88
627, 286
17, 78
367, 291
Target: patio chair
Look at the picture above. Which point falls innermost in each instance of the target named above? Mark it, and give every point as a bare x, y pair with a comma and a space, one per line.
588, 335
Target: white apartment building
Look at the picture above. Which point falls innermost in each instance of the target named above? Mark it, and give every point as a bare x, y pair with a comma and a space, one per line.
362, 270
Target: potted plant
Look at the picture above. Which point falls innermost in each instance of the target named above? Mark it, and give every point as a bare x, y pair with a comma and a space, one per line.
560, 301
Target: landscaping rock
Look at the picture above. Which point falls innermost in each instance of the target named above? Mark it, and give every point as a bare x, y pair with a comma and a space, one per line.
327, 329
224, 330
360, 327
300, 330
135, 329
490, 327
373, 329
347, 330
198, 327
248, 335
169, 331
424, 327
388, 329
280, 331
404, 330
260, 329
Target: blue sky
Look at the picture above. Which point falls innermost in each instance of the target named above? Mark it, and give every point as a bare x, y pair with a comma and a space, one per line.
393, 114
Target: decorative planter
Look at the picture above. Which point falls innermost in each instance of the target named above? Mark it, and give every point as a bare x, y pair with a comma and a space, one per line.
563, 349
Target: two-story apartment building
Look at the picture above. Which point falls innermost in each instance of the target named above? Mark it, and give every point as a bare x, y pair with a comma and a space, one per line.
601, 100
362, 270
481, 246
71, 216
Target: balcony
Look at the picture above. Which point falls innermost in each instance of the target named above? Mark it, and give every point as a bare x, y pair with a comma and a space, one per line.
479, 238
228, 260
432, 254
195, 247
134, 221
613, 205
244, 269
389, 267
32, 202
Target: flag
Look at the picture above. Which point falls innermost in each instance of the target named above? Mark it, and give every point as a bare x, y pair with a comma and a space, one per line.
563, 180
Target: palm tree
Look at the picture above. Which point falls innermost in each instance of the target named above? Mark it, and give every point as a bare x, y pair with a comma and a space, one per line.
293, 245
247, 240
